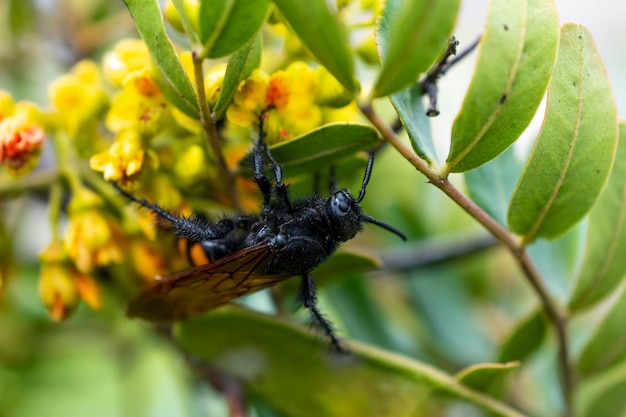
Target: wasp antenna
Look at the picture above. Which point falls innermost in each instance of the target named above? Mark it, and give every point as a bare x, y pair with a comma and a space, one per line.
385, 226
158, 210
366, 178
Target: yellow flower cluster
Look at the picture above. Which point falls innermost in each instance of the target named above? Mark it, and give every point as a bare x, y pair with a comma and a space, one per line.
138, 111
61, 284
294, 101
78, 98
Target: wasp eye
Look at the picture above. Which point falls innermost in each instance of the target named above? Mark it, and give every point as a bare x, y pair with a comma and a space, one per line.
340, 203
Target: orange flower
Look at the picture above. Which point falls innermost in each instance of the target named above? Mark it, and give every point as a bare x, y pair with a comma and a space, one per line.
20, 143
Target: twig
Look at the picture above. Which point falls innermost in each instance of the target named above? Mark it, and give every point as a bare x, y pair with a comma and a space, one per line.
212, 136
429, 83
554, 313
430, 253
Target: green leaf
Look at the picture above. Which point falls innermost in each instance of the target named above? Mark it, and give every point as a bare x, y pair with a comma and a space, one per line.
322, 32
411, 35
263, 353
558, 261
487, 377
321, 147
172, 78
347, 261
515, 60
408, 105
574, 152
525, 339
444, 303
604, 265
491, 185
152, 381
607, 346
240, 66
227, 25
610, 402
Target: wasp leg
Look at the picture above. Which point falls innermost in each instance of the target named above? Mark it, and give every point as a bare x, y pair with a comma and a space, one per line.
192, 228
280, 187
308, 297
259, 176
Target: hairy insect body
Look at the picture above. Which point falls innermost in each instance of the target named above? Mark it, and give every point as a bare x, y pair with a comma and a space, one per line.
247, 253
299, 239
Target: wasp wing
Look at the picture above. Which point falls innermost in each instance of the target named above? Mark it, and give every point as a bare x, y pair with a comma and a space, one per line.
197, 290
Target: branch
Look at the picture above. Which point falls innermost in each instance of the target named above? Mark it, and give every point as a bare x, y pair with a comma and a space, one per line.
211, 134
554, 313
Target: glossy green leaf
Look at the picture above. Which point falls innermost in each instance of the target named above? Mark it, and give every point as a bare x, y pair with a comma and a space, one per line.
607, 346
240, 66
604, 265
487, 377
321, 147
321, 31
264, 352
515, 60
526, 338
172, 78
491, 185
574, 152
412, 113
227, 25
411, 35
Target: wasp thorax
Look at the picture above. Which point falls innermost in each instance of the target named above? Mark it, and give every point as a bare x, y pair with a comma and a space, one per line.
344, 214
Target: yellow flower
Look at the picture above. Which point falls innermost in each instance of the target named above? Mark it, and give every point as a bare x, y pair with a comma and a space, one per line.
148, 259
191, 164
92, 239
21, 141
213, 83
249, 100
77, 96
292, 92
330, 92
61, 284
128, 56
192, 9
294, 101
7, 106
140, 105
123, 161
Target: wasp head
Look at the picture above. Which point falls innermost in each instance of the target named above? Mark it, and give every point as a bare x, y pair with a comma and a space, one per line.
345, 214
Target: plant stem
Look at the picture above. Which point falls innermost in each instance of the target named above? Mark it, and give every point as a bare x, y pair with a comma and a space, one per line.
38, 180
553, 311
211, 134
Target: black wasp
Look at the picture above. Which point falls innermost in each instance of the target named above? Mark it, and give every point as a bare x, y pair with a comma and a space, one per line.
250, 252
